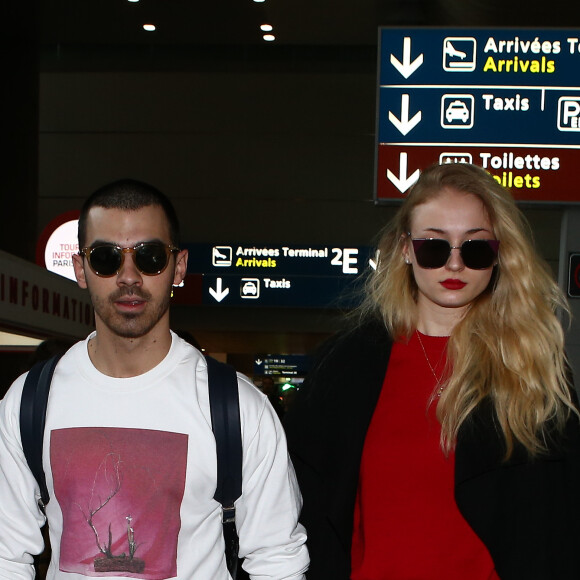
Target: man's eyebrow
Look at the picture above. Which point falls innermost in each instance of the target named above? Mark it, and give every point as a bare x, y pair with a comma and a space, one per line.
100, 242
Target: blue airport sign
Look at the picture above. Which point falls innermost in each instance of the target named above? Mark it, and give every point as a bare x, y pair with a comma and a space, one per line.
276, 275
287, 365
506, 99
277, 259
481, 56
482, 115
281, 291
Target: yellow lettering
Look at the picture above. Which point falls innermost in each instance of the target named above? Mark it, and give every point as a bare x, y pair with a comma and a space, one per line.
490, 65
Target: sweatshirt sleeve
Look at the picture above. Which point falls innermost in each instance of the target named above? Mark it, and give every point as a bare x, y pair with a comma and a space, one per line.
271, 539
20, 515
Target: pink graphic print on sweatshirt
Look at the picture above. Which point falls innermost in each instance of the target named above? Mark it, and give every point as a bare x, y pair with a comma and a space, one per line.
120, 491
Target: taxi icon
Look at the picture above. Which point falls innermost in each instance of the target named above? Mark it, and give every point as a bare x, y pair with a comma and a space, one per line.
249, 288
457, 111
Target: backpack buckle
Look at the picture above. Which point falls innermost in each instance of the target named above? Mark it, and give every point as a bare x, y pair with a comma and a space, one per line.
228, 514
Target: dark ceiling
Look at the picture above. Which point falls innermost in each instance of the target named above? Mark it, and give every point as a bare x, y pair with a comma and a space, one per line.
295, 22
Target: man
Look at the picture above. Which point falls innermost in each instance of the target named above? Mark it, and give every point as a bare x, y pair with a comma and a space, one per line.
129, 452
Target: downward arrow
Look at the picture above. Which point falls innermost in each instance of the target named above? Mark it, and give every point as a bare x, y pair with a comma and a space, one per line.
407, 68
402, 183
218, 293
374, 262
405, 125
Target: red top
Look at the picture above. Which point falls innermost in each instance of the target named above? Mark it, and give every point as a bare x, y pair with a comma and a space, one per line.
406, 523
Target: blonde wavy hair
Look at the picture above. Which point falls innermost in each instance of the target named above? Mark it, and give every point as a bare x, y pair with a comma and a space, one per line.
509, 346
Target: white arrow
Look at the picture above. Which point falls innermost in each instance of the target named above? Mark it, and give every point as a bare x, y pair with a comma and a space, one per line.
402, 183
407, 68
374, 262
405, 124
259, 361
218, 293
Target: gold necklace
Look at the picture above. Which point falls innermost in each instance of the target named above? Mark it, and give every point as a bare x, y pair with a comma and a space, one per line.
437, 379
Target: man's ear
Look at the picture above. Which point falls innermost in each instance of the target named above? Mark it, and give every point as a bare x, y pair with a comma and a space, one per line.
79, 267
180, 267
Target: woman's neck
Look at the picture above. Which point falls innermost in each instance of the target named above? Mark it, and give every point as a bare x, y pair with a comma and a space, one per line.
434, 320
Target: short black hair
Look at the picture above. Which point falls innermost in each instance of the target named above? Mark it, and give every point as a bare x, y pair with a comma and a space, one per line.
129, 194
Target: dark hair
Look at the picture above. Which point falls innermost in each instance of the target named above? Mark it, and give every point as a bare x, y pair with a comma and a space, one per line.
128, 194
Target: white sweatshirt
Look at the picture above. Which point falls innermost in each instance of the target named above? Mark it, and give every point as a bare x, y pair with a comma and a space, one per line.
131, 470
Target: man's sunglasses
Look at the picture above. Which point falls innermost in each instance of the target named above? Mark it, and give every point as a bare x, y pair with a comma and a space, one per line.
151, 258
434, 252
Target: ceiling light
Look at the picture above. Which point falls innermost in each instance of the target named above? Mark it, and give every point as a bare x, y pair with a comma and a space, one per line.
269, 37
149, 27
259, 0
266, 27
132, 0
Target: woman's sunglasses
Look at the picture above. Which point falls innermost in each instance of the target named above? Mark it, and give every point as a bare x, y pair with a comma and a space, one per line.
151, 258
434, 252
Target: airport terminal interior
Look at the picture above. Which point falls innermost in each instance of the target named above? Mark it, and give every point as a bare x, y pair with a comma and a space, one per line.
258, 119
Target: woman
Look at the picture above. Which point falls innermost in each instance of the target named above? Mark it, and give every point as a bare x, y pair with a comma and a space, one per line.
439, 439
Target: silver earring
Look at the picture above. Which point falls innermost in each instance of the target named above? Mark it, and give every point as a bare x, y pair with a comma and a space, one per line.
407, 261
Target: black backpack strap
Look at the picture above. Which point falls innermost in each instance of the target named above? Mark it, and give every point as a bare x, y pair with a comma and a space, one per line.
225, 419
33, 417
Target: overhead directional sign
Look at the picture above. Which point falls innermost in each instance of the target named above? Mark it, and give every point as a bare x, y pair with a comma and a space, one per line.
278, 275
288, 365
277, 259
505, 99
303, 291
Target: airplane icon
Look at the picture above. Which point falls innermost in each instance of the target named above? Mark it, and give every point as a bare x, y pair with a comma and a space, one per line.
450, 50
221, 256
459, 53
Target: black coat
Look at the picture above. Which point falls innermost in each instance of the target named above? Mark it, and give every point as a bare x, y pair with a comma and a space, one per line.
526, 512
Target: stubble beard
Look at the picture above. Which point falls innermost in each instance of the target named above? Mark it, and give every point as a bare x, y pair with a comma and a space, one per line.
126, 324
